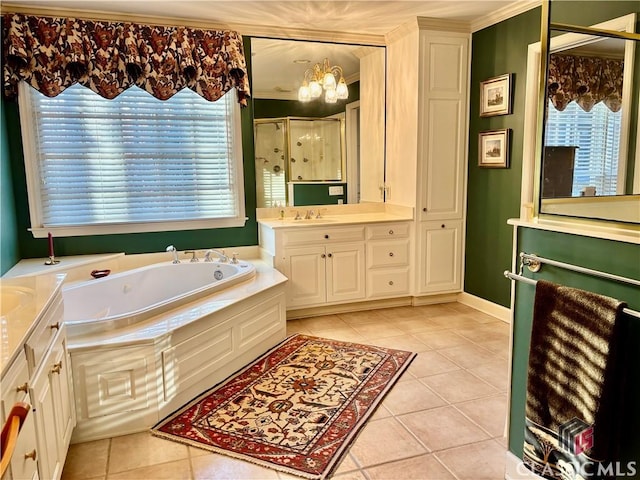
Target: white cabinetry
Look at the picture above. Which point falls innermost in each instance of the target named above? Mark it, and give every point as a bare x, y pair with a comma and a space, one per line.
324, 265
42, 370
440, 256
388, 255
442, 124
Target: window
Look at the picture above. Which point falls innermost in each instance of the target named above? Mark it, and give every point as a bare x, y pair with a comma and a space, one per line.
597, 136
131, 164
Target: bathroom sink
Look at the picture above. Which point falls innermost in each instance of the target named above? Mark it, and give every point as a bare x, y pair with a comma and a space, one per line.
12, 298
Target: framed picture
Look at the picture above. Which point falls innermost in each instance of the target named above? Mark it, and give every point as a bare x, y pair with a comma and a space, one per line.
493, 149
495, 96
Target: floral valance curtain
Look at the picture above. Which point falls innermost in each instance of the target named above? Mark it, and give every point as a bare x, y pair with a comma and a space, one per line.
585, 80
51, 54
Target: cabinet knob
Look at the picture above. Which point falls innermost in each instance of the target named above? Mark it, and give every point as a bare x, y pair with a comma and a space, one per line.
391, 254
32, 455
322, 255
23, 388
390, 232
424, 209
57, 367
390, 282
330, 255
55, 326
326, 236
442, 226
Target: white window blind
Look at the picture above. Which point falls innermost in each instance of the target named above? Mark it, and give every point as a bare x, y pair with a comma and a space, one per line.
134, 163
597, 136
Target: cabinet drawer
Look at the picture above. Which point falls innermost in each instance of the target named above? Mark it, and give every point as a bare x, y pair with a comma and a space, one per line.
44, 333
15, 386
306, 236
387, 282
393, 253
388, 230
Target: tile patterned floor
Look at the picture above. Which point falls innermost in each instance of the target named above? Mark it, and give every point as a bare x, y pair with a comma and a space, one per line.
444, 419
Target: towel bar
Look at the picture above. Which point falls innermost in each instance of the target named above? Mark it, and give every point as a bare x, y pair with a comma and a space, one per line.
529, 281
531, 259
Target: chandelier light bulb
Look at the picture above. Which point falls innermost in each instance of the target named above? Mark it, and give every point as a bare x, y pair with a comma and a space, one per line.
304, 95
329, 81
330, 95
315, 89
342, 91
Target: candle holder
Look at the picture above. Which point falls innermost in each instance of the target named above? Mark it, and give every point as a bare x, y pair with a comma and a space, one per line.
51, 261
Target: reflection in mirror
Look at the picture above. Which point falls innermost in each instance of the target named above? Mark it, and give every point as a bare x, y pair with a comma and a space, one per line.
591, 108
317, 152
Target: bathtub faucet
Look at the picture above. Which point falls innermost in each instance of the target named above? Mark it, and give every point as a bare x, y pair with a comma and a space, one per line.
173, 250
222, 258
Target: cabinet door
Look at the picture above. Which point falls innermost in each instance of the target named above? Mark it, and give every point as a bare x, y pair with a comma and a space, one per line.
62, 394
42, 397
440, 257
305, 269
443, 124
345, 272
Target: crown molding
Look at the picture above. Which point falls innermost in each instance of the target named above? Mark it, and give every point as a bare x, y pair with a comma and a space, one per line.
441, 24
241, 28
401, 31
504, 13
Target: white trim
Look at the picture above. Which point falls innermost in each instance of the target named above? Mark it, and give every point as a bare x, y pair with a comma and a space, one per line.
32, 173
586, 228
274, 95
504, 13
352, 128
515, 469
485, 306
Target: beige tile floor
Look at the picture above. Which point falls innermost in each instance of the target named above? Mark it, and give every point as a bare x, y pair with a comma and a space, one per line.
444, 419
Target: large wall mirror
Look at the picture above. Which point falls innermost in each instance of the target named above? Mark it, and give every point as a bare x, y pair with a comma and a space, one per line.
590, 157
321, 150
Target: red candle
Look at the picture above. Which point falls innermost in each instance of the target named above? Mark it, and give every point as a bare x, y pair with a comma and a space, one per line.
50, 245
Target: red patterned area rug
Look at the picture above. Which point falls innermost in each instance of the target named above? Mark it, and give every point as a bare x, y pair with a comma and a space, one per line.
295, 409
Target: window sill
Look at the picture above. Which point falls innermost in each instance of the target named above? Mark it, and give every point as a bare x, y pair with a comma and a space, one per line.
124, 228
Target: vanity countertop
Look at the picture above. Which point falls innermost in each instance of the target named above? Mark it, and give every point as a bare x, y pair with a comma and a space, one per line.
23, 301
334, 220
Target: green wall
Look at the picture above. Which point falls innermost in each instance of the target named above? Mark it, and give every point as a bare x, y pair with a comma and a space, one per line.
9, 247
494, 194
30, 247
605, 255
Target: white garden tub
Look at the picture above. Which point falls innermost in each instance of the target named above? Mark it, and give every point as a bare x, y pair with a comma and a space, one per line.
129, 297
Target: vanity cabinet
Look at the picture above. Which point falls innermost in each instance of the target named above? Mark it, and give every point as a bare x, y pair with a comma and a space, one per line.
40, 376
328, 271
15, 388
338, 264
439, 267
388, 258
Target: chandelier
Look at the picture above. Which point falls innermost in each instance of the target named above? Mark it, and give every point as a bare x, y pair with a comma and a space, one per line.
322, 77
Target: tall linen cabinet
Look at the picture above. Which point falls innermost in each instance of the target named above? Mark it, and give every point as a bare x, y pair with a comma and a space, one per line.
427, 136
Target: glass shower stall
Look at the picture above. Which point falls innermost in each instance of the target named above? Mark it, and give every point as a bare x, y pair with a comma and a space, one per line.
292, 150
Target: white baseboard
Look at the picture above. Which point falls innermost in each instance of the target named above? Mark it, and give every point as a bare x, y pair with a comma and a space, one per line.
485, 306
515, 469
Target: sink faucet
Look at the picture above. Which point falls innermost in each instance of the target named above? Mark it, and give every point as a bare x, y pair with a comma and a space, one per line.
222, 258
173, 250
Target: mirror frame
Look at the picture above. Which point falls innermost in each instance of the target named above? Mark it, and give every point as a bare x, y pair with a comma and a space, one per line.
546, 26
